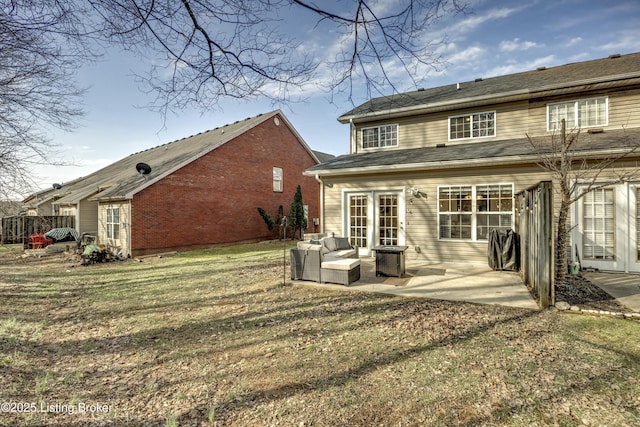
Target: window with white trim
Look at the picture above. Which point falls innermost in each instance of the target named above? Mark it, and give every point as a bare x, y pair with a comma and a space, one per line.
470, 212
277, 180
477, 125
579, 113
113, 223
380, 136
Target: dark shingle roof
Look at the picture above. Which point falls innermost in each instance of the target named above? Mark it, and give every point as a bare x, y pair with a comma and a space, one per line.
526, 84
471, 154
120, 180
323, 157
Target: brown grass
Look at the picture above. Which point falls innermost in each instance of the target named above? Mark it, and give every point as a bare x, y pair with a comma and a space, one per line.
215, 338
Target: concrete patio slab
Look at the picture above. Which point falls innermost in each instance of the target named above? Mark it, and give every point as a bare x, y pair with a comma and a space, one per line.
444, 281
625, 288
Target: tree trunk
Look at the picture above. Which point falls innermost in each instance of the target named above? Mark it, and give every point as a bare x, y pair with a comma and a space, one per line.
561, 243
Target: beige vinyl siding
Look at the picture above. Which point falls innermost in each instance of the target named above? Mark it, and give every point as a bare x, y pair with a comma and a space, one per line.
623, 110
513, 121
421, 214
123, 241
433, 129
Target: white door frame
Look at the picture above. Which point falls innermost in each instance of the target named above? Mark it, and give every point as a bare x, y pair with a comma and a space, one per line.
373, 217
626, 216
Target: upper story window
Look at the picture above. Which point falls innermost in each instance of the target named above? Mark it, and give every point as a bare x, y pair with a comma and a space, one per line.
472, 125
380, 136
578, 114
277, 180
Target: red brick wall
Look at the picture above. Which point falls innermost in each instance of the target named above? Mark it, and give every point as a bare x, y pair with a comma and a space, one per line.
214, 199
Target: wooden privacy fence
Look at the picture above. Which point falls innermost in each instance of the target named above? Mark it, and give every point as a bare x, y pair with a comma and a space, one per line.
534, 225
17, 229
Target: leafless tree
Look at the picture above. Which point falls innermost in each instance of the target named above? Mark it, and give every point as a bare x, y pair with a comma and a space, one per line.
204, 50
577, 170
199, 52
39, 51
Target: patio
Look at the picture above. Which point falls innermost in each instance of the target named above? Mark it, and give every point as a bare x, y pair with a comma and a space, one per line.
474, 283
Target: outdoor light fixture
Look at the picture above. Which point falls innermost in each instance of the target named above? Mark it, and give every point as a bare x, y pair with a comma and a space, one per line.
414, 192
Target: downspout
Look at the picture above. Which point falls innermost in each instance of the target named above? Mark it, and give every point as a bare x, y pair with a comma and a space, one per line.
129, 227
321, 202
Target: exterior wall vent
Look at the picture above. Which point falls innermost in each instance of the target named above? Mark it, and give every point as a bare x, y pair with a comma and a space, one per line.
595, 130
441, 145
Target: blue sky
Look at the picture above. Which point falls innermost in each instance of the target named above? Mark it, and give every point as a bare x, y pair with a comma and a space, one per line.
497, 38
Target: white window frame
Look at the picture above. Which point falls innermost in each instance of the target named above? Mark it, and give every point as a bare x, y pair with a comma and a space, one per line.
474, 211
576, 121
474, 119
113, 223
380, 136
278, 180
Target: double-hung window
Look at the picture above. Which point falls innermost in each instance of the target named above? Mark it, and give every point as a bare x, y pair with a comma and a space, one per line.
470, 212
113, 223
472, 125
380, 136
578, 114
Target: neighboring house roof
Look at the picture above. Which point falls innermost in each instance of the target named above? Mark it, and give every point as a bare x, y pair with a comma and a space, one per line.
608, 72
323, 157
120, 180
514, 151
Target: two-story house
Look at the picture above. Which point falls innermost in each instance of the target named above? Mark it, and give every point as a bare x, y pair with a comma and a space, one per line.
436, 169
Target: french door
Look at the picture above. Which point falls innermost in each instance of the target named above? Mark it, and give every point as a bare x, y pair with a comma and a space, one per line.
608, 233
374, 218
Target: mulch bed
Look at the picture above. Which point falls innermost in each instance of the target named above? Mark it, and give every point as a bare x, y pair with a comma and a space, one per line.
578, 291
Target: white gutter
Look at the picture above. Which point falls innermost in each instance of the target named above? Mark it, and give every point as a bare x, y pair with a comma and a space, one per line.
448, 164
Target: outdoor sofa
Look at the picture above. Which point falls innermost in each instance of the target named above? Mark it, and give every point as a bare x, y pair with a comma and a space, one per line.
328, 260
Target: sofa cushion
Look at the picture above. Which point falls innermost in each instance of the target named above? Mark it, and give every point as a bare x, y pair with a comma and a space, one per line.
341, 264
329, 243
306, 246
344, 253
342, 243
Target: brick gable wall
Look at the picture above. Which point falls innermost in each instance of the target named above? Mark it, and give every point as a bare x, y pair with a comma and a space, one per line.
214, 199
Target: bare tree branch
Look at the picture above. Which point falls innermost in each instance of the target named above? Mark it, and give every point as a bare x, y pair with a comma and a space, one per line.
577, 172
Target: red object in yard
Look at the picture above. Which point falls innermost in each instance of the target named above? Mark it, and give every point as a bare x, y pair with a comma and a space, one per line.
38, 240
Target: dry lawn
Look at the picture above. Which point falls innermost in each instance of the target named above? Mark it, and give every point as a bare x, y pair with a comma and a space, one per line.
214, 338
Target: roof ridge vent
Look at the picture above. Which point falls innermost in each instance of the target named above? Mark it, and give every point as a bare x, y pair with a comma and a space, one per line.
541, 68
614, 56
479, 79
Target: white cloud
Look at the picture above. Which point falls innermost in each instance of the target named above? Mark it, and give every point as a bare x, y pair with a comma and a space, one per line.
462, 28
468, 55
516, 67
518, 45
574, 41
